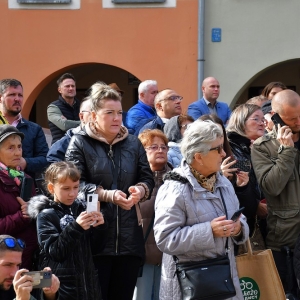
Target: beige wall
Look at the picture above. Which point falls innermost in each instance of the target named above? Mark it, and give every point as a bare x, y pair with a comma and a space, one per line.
256, 34
151, 43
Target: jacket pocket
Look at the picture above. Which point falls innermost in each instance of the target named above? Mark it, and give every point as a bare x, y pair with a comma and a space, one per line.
286, 225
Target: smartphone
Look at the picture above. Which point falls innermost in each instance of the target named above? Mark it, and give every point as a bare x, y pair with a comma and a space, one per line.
26, 188
236, 215
277, 120
92, 204
41, 279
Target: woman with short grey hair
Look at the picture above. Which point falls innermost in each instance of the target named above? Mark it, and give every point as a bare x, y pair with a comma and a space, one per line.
190, 218
246, 124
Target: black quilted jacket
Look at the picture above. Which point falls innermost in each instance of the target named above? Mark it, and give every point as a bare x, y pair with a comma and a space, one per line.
124, 236
66, 251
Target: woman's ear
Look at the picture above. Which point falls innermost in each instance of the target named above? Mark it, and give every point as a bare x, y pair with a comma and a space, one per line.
198, 158
50, 187
93, 116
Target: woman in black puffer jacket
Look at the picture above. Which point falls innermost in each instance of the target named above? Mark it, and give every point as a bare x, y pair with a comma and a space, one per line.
114, 165
246, 124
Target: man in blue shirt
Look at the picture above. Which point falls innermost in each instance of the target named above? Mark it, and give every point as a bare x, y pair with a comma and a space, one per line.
144, 109
208, 104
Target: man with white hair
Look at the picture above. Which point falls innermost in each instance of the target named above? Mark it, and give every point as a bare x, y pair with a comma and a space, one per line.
144, 109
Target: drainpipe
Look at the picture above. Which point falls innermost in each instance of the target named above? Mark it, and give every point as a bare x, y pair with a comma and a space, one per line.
200, 46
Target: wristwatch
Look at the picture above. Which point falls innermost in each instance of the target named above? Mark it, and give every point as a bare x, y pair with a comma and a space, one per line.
281, 147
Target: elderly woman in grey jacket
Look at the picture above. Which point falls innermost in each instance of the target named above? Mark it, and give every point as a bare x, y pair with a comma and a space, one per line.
190, 220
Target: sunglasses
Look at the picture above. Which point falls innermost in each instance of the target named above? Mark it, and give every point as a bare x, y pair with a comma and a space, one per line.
12, 243
218, 148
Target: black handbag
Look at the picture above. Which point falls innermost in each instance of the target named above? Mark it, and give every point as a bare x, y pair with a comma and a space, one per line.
208, 279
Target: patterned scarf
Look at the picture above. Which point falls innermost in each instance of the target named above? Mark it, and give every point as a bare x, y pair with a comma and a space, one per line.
16, 174
207, 183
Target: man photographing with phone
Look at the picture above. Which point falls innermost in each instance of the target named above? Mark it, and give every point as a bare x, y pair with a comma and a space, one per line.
276, 160
10, 260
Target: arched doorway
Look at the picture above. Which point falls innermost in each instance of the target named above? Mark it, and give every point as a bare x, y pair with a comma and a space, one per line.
86, 75
287, 72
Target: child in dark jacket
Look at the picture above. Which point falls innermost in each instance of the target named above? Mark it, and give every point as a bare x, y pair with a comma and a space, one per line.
65, 232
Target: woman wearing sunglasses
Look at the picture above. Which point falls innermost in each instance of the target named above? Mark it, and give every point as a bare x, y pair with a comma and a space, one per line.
191, 221
13, 210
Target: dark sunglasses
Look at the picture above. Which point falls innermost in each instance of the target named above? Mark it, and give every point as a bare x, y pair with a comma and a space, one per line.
218, 148
12, 243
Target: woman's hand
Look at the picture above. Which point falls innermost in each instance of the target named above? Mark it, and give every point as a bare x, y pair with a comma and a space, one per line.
242, 178
225, 167
135, 194
85, 220
24, 207
121, 200
225, 228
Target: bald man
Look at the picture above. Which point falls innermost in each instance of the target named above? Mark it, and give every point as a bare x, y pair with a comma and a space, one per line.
208, 104
276, 162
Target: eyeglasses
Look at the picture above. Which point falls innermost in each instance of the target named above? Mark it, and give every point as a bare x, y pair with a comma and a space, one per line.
257, 120
85, 111
12, 243
156, 147
173, 98
219, 148
185, 126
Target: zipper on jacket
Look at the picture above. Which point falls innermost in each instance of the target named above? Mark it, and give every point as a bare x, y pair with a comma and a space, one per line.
117, 239
111, 155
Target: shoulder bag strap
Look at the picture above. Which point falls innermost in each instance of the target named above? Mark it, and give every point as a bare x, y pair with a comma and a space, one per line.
224, 204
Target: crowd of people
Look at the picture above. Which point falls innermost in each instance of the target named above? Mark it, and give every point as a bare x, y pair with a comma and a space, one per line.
166, 183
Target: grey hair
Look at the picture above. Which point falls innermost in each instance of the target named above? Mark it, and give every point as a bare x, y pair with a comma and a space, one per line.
239, 117
198, 138
99, 92
143, 87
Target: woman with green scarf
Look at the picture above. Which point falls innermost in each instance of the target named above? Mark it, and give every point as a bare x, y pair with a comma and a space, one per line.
13, 209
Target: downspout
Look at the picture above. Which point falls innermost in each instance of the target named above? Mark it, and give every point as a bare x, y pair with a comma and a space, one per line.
200, 46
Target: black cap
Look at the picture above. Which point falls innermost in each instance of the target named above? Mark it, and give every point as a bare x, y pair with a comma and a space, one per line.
266, 107
7, 130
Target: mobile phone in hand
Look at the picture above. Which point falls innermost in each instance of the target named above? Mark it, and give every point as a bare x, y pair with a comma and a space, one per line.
92, 204
277, 120
236, 215
41, 279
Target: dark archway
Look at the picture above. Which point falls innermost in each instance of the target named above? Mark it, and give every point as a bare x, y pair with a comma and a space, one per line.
287, 72
86, 74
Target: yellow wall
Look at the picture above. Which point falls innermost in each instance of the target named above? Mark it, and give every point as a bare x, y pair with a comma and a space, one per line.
157, 43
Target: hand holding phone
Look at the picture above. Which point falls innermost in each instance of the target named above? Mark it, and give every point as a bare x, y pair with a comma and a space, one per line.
237, 214
41, 279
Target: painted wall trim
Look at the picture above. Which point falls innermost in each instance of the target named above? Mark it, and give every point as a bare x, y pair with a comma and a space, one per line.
13, 4
167, 4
